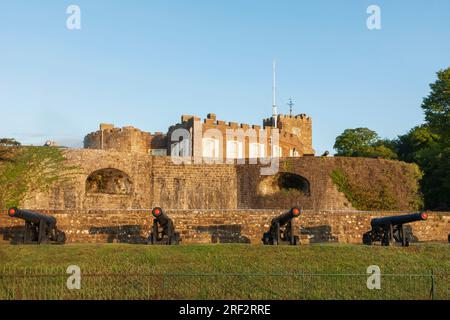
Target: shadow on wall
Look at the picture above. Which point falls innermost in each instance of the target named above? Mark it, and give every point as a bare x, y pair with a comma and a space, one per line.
121, 234
226, 233
13, 234
319, 234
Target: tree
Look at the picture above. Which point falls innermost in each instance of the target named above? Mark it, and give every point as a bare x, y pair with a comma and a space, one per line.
428, 145
7, 147
9, 142
363, 142
380, 151
437, 105
28, 169
417, 139
355, 142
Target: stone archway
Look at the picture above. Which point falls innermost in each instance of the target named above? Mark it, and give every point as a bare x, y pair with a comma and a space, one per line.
284, 182
284, 190
109, 181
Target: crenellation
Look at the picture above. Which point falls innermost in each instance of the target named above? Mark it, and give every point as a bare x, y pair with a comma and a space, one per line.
295, 135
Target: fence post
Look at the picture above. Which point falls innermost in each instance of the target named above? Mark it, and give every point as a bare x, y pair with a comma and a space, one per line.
164, 286
432, 285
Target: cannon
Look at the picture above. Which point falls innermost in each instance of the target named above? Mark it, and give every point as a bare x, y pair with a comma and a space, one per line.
390, 229
163, 230
282, 229
39, 228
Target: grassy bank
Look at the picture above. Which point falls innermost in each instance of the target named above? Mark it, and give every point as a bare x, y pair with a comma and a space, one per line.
225, 271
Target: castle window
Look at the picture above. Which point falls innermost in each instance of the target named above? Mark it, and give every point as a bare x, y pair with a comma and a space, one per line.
277, 152
210, 148
235, 150
109, 181
180, 148
294, 153
256, 150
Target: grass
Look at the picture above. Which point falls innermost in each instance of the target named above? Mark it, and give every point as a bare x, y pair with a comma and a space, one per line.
325, 271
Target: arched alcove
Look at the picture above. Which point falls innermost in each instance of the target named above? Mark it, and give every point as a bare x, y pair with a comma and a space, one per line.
289, 181
284, 181
109, 181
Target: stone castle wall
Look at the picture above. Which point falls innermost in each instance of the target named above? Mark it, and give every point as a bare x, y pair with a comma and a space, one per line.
157, 181
218, 226
126, 139
295, 130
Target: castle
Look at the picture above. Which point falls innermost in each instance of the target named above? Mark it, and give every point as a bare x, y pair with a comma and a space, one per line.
123, 173
128, 168
295, 138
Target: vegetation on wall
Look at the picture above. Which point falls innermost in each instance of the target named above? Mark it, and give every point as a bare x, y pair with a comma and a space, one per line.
427, 145
381, 194
26, 169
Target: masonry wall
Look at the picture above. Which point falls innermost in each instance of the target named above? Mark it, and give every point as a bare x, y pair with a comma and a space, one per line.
219, 226
73, 195
324, 194
157, 181
295, 132
192, 186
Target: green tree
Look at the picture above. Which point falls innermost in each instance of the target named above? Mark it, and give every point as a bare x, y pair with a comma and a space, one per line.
363, 142
418, 138
380, 151
355, 142
27, 169
7, 148
9, 142
428, 145
437, 105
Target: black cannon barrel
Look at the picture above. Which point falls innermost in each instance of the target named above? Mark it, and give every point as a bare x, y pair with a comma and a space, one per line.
287, 216
398, 220
31, 216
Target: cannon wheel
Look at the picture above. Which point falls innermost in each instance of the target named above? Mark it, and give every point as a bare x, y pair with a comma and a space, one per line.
367, 238
266, 238
60, 237
385, 241
177, 238
276, 239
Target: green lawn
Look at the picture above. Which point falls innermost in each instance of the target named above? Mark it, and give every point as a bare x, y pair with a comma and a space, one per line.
328, 271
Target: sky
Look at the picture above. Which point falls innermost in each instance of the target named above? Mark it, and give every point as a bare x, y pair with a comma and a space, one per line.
145, 63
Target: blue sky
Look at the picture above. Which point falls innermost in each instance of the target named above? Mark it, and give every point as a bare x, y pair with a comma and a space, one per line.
145, 63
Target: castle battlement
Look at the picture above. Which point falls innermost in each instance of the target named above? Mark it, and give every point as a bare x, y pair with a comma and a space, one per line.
295, 134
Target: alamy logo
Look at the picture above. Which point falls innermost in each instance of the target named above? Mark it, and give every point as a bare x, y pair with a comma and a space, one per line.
74, 20
374, 20
74, 280
212, 146
374, 280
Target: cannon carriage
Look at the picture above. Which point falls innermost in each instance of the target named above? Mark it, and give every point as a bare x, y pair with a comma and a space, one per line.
163, 229
39, 228
282, 229
389, 230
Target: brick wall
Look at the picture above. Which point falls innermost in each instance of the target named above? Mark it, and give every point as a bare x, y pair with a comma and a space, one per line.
157, 181
127, 139
218, 226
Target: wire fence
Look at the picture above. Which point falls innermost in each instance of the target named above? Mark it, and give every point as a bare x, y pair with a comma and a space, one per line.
139, 284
